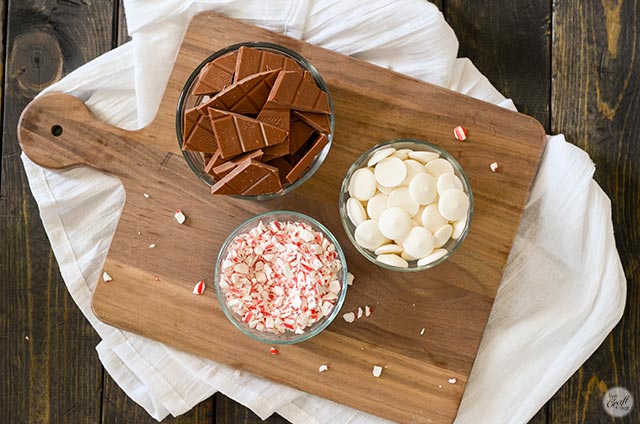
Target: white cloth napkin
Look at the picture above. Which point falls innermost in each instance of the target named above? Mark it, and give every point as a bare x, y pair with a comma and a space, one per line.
563, 288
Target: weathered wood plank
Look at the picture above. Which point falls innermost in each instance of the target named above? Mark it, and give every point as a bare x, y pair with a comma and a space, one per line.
595, 102
54, 375
509, 42
231, 412
121, 34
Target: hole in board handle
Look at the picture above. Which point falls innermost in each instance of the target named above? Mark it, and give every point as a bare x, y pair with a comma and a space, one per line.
56, 130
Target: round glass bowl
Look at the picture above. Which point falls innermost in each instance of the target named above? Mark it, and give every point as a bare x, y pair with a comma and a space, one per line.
289, 337
187, 101
416, 145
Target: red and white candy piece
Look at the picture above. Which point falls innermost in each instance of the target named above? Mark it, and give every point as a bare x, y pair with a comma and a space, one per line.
494, 166
273, 350
179, 216
323, 368
106, 277
156, 278
199, 287
460, 133
367, 311
452, 380
377, 371
360, 312
349, 317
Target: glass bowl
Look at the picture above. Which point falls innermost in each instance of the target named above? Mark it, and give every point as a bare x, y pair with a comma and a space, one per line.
416, 145
188, 101
289, 337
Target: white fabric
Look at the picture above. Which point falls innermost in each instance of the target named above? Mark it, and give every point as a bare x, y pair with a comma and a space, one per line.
563, 289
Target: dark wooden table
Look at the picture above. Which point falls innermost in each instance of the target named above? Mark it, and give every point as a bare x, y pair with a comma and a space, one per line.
574, 65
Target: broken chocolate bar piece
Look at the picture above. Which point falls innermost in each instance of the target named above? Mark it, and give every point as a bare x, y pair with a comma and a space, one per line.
226, 167
213, 162
249, 178
236, 134
318, 121
198, 134
297, 90
283, 166
252, 61
305, 162
216, 75
276, 151
275, 115
246, 96
298, 135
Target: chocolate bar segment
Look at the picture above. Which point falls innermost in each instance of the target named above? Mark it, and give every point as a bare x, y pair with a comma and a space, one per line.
198, 134
275, 115
213, 162
226, 167
250, 177
216, 75
297, 90
277, 151
283, 166
307, 160
318, 121
238, 134
252, 61
247, 96
298, 135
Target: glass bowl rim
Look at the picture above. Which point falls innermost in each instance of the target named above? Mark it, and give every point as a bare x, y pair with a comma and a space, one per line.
298, 338
358, 163
319, 159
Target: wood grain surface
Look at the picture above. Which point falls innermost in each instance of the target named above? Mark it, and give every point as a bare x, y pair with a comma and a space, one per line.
503, 26
148, 161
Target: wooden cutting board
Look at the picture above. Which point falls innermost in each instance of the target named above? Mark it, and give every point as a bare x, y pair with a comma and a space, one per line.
372, 104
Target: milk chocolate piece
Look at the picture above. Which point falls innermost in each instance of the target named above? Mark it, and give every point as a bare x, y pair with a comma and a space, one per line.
216, 75
252, 61
297, 90
298, 135
249, 178
318, 121
198, 134
238, 134
275, 115
213, 162
246, 96
305, 162
276, 151
283, 166
226, 167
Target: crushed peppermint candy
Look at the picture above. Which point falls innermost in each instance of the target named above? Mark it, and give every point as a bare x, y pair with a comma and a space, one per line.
422, 331
106, 277
323, 368
156, 278
349, 317
377, 371
273, 351
350, 278
367, 311
494, 166
152, 246
360, 312
452, 380
146, 195
179, 216
281, 276
199, 287
460, 133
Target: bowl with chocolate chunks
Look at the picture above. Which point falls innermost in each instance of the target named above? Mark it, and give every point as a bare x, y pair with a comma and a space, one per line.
255, 121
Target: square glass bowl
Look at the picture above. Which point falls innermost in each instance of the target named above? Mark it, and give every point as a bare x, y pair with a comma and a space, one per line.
416, 145
187, 101
288, 337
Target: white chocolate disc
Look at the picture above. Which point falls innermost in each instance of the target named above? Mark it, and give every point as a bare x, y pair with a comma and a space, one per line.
401, 198
385, 190
402, 154
434, 256
393, 260
380, 154
453, 204
413, 168
447, 182
458, 228
438, 167
407, 257
422, 189
388, 248
362, 185
394, 223
431, 218
376, 205
368, 235
424, 157
390, 172
443, 234
355, 211
419, 243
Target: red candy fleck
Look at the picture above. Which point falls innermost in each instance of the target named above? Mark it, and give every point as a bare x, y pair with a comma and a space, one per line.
273, 351
460, 133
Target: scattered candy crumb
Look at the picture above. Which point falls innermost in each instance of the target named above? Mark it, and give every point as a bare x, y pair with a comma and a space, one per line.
139, 233
350, 278
367, 311
439, 386
180, 216
422, 331
323, 368
199, 287
152, 246
237, 373
377, 371
155, 278
146, 195
460, 133
273, 351
494, 167
106, 277
349, 317
26, 338
452, 381
360, 312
